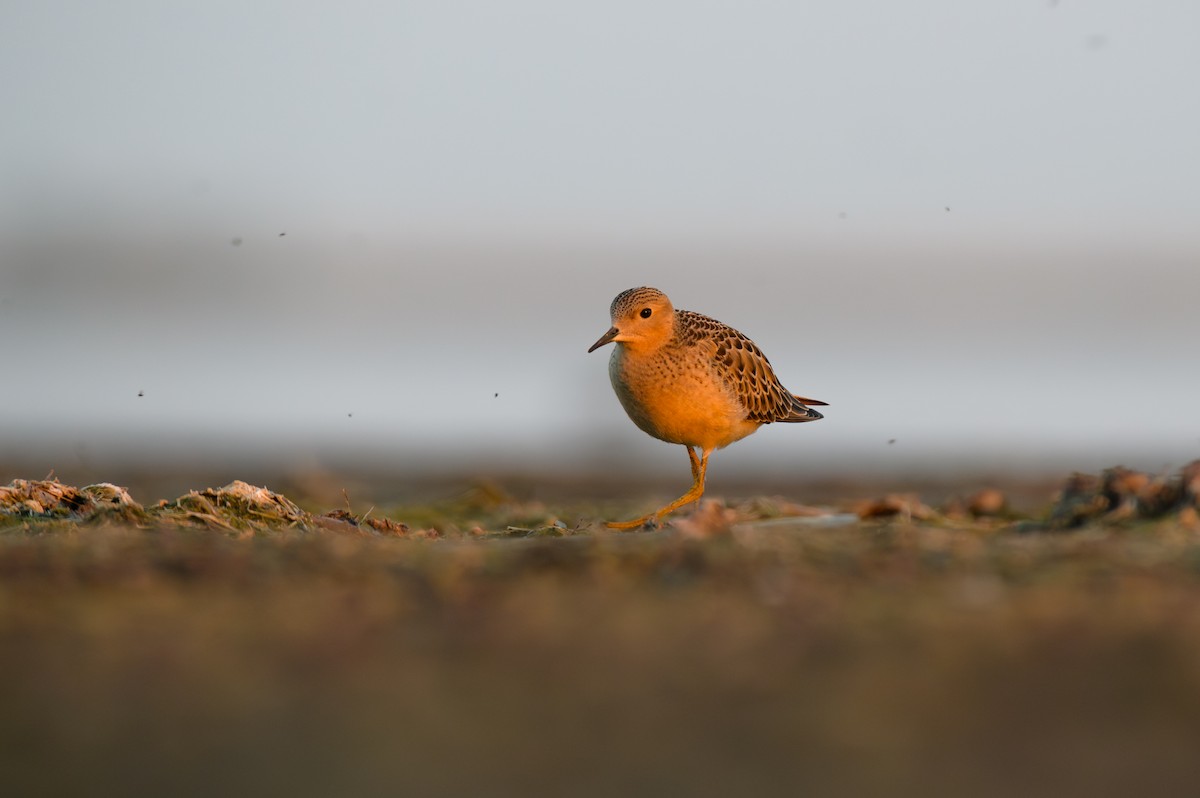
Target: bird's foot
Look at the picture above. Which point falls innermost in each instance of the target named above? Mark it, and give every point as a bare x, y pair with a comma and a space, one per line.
646, 523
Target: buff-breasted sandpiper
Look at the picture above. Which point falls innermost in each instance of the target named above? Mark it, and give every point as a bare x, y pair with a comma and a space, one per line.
686, 378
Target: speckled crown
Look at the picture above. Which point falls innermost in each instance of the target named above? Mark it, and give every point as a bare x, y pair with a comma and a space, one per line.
631, 298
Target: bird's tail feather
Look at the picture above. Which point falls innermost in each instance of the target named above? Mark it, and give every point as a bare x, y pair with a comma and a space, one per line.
801, 411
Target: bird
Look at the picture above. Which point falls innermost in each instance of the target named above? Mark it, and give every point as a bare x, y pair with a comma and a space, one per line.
686, 378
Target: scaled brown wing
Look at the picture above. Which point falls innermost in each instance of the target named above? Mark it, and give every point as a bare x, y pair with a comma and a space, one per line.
743, 366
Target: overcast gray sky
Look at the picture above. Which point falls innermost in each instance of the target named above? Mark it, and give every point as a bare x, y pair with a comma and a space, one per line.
965, 224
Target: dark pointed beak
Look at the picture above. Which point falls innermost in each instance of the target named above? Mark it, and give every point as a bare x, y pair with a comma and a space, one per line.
605, 339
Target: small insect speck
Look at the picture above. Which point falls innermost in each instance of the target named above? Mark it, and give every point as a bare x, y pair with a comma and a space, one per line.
891, 441
141, 393
496, 396
237, 242
349, 415
947, 209
281, 235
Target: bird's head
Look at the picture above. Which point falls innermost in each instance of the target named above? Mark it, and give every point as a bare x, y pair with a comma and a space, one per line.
642, 319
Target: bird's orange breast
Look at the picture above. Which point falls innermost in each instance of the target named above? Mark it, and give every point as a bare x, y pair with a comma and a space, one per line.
678, 400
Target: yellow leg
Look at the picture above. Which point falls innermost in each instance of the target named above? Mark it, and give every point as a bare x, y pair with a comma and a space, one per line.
699, 469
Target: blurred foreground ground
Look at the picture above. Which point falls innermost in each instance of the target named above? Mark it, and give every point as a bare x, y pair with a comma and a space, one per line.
499, 652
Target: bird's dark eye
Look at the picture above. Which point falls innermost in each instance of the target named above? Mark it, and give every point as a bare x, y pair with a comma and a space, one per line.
646, 313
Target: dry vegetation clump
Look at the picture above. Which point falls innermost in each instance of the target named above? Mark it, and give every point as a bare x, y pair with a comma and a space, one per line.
906, 506
347, 523
50, 500
1122, 494
238, 508
1116, 495
984, 504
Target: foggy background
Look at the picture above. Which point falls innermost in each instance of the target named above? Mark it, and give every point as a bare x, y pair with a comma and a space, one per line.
290, 236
